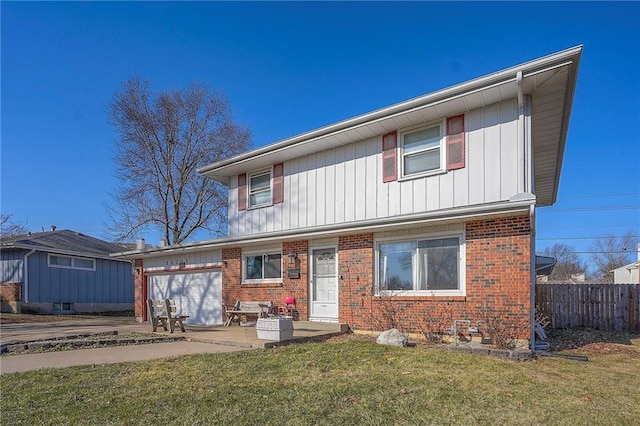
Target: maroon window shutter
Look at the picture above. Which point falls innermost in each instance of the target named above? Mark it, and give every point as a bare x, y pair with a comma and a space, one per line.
455, 142
278, 183
389, 157
242, 191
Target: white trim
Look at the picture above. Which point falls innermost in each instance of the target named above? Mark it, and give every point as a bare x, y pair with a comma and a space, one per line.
310, 288
442, 125
263, 252
258, 173
462, 287
566, 58
25, 275
452, 215
65, 252
73, 261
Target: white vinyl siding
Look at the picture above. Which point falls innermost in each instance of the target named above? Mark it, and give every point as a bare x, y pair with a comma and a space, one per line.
190, 260
344, 184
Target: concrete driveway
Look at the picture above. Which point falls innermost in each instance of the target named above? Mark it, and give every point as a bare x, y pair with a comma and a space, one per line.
198, 339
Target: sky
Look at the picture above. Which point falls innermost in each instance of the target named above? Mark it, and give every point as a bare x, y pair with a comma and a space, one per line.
288, 68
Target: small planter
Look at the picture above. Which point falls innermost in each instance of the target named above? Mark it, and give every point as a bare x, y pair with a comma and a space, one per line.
275, 329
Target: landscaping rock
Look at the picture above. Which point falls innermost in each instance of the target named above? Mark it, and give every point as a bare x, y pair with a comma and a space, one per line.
392, 337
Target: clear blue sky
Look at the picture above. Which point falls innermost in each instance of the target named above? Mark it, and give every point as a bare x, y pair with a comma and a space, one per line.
291, 67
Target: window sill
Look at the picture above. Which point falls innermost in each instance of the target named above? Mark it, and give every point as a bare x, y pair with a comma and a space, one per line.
422, 175
260, 206
261, 283
426, 296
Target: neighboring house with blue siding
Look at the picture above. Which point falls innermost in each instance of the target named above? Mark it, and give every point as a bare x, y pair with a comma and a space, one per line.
63, 271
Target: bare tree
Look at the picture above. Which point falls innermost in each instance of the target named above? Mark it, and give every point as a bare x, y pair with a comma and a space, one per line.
10, 228
163, 138
611, 252
567, 261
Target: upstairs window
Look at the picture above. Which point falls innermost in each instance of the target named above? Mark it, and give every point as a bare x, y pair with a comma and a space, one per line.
260, 188
422, 151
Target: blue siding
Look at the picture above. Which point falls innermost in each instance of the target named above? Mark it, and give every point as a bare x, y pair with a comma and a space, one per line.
111, 282
11, 266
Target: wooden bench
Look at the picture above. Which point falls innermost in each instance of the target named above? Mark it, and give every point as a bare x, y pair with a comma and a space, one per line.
164, 313
248, 309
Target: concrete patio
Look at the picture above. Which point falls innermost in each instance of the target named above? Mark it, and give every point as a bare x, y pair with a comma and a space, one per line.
233, 335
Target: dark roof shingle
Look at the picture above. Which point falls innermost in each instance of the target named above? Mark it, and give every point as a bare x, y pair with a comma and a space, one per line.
65, 240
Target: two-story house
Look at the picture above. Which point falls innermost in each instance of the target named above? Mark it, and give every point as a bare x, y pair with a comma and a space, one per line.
410, 211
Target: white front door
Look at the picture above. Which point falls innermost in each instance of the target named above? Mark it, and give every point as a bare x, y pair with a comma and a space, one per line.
324, 285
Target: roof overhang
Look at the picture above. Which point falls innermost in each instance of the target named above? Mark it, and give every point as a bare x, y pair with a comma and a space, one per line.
544, 264
36, 247
550, 81
458, 215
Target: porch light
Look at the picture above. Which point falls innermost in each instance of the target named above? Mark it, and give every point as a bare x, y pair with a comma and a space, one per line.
292, 256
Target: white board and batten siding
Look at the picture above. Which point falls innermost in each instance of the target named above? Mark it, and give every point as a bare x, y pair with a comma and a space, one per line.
345, 184
196, 290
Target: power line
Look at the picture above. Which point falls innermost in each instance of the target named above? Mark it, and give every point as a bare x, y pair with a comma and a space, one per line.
589, 226
591, 209
583, 238
630, 252
599, 196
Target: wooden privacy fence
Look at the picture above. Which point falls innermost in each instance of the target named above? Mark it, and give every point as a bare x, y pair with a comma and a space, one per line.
606, 307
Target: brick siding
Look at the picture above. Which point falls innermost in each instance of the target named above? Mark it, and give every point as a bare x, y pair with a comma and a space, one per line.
497, 281
11, 292
138, 297
233, 289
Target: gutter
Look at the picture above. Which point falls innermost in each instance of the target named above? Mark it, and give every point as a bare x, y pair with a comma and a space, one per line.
532, 293
64, 252
25, 265
527, 69
451, 215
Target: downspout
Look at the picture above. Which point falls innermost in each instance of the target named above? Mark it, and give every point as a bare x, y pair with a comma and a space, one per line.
25, 264
532, 297
528, 184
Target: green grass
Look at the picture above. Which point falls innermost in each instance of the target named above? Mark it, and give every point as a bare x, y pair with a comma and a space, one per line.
344, 381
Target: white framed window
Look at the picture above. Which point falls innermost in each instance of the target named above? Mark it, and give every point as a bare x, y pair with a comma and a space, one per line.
430, 265
422, 150
259, 188
71, 262
262, 266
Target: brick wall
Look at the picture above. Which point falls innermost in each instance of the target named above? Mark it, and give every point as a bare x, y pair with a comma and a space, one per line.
11, 292
233, 289
355, 266
497, 283
138, 296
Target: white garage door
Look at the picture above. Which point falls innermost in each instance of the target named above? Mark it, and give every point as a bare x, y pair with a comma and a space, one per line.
197, 294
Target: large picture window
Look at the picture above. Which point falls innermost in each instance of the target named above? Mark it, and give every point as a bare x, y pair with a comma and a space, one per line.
262, 267
422, 150
422, 266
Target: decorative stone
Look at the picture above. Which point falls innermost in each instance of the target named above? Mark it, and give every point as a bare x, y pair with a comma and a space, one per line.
392, 337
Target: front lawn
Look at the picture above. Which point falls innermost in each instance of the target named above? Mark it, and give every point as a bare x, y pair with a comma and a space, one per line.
344, 381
